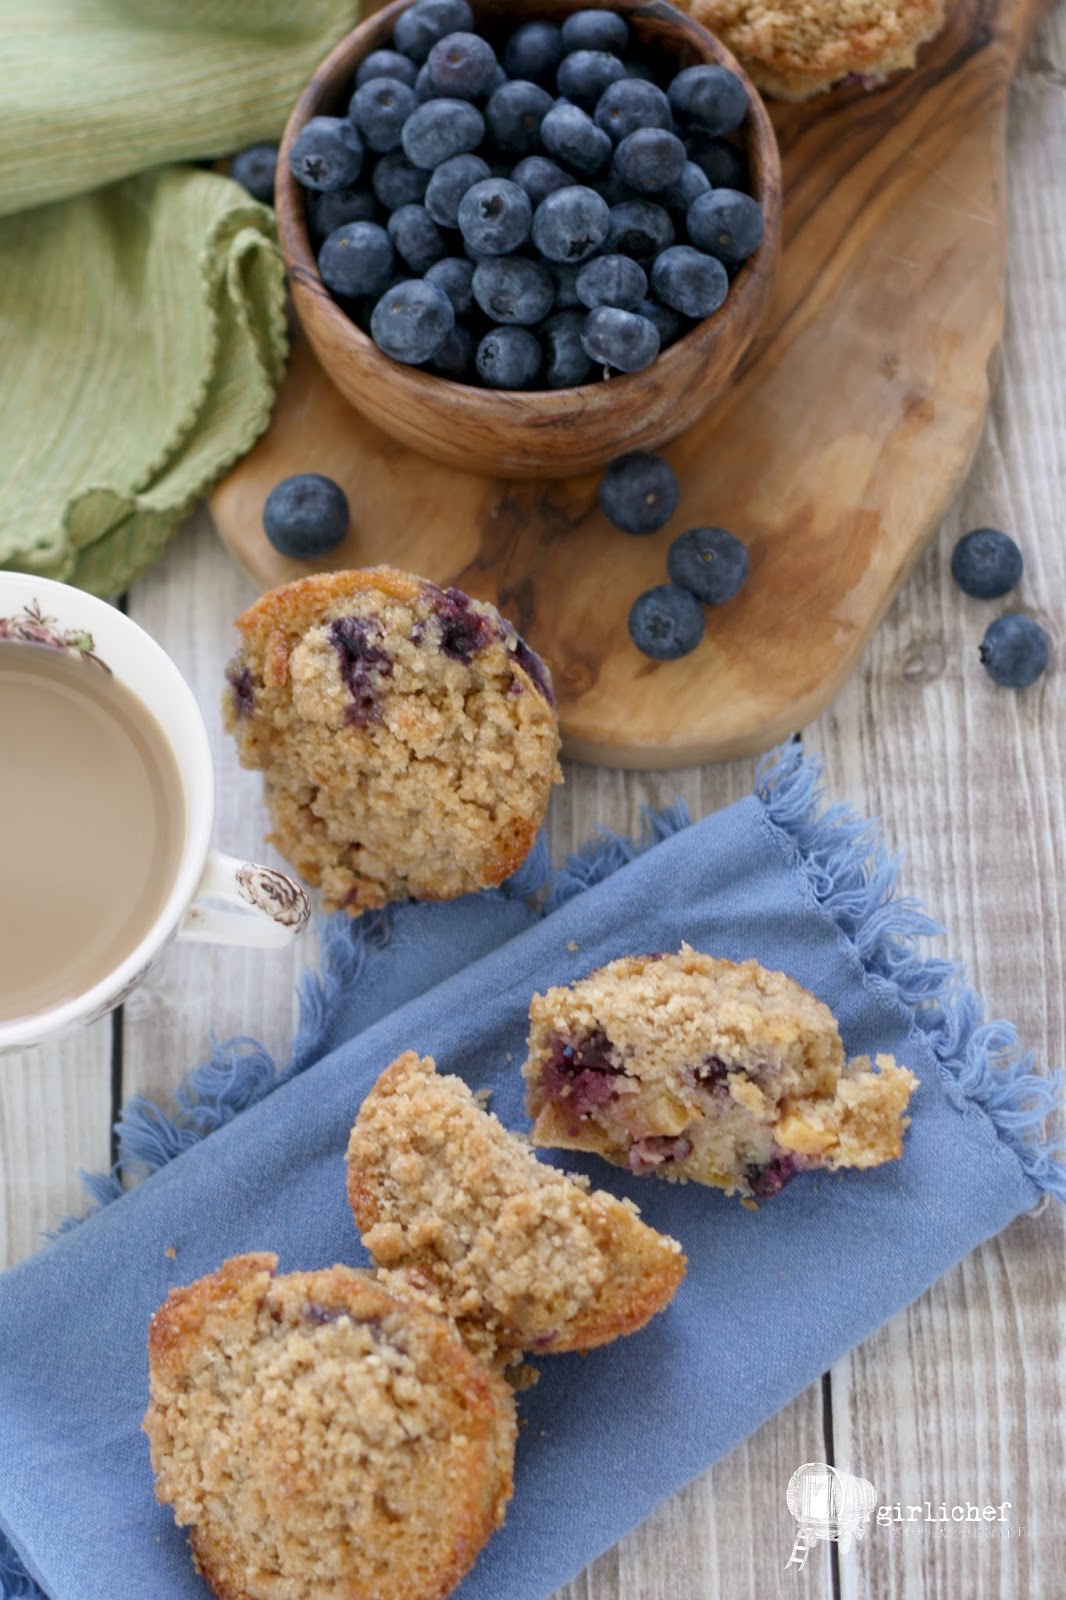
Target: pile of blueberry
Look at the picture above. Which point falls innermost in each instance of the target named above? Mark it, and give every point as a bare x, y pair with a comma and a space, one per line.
706, 566
987, 564
534, 219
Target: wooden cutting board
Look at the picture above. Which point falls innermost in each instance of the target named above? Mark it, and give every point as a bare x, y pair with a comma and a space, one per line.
836, 454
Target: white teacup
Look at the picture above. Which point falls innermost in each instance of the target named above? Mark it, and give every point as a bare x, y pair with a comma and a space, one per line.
259, 906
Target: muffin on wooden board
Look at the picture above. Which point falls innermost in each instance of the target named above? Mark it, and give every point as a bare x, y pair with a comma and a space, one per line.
320, 1435
793, 49
696, 1068
407, 736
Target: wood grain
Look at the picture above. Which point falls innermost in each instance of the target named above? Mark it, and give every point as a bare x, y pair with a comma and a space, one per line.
834, 456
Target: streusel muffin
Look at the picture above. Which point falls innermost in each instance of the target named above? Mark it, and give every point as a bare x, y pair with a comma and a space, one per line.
407, 736
692, 1067
440, 1187
321, 1436
793, 49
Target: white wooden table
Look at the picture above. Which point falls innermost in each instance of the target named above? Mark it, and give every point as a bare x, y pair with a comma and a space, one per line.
960, 1397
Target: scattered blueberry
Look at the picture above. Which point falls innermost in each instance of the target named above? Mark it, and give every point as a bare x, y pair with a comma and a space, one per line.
386, 64
448, 184
620, 339
571, 224
334, 207
514, 114
509, 358
986, 564
1014, 651
539, 177
397, 183
630, 104
327, 153
455, 277
420, 26
709, 563
612, 281
254, 170
689, 281
712, 99
639, 492
666, 622
462, 65
533, 51
495, 216
726, 224
570, 135
416, 238
439, 129
306, 516
595, 30
513, 290
566, 362
411, 321
356, 260
583, 76
650, 160
456, 357
639, 228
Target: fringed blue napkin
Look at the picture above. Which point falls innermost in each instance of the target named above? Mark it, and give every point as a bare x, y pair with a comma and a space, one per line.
772, 1297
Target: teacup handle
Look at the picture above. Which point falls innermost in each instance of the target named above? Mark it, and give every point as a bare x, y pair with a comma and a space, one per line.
274, 909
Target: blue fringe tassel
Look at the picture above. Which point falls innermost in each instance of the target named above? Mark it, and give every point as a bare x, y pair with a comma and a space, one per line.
15, 1581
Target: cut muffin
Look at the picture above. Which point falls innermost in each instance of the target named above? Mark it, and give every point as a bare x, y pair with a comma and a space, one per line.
440, 1187
322, 1436
407, 736
793, 49
692, 1067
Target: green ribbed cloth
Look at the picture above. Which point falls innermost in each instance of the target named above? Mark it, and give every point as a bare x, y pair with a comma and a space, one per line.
142, 328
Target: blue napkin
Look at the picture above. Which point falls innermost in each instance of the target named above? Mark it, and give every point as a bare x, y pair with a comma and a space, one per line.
771, 1300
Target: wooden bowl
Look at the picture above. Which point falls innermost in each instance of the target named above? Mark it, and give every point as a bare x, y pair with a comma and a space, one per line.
533, 433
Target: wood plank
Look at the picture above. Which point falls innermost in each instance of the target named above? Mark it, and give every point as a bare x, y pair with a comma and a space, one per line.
961, 1396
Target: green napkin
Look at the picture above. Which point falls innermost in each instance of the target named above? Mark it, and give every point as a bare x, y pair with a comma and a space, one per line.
142, 330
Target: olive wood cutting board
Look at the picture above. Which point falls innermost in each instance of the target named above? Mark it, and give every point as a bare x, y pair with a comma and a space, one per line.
835, 454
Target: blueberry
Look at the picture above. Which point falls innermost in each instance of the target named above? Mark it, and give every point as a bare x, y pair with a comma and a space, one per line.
670, 323
356, 259
379, 110
439, 129
511, 289
1014, 651
689, 281
509, 358
361, 662
639, 492
629, 104
594, 30
462, 65
495, 216
539, 177
424, 89
666, 622
724, 164
639, 228
386, 64
566, 362
397, 183
709, 563
572, 137
712, 99
986, 564
514, 114
411, 321
449, 183
416, 238
306, 516
533, 51
571, 224
650, 160
327, 153
564, 276
726, 224
620, 339
692, 183
612, 281
583, 76
455, 277
336, 207
254, 170
456, 357
420, 26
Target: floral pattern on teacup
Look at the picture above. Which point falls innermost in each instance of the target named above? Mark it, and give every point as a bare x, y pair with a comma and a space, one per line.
275, 894
31, 626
